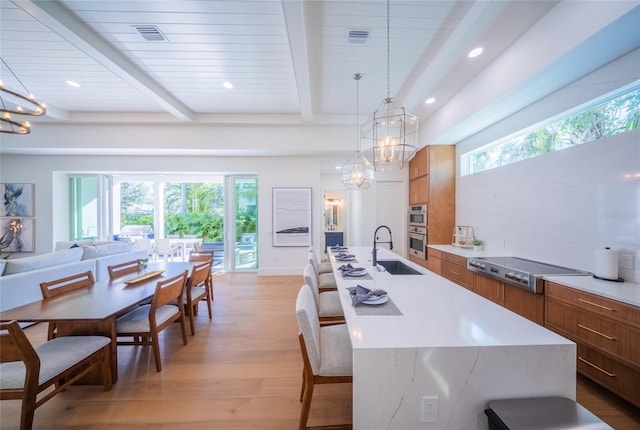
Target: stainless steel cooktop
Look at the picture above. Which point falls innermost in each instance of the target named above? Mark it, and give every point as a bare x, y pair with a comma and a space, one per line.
520, 272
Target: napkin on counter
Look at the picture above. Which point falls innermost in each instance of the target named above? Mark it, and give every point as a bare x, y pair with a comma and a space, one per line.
339, 248
359, 294
347, 266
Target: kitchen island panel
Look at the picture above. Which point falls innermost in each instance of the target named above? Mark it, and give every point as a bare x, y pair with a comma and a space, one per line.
463, 379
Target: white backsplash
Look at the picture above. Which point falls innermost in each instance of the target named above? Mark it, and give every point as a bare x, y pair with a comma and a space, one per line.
560, 207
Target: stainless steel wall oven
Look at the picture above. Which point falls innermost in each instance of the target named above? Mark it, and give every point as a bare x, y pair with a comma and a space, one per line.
418, 241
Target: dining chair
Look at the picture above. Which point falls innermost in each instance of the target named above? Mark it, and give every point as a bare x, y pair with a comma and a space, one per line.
145, 243
326, 352
166, 250
62, 286
199, 256
145, 322
322, 267
26, 372
122, 269
190, 246
326, 281
197, 289
328, 302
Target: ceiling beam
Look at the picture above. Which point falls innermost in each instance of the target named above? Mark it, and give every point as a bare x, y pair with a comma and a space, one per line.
61, 21
295, 23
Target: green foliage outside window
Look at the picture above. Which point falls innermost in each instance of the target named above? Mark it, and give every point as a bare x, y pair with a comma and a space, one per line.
615, 116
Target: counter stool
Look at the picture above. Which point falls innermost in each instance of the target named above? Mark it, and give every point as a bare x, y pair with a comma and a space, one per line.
541, 413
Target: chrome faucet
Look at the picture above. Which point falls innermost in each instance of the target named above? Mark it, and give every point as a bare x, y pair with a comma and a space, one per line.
375, 243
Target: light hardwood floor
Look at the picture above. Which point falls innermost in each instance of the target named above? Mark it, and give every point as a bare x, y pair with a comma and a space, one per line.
240, 371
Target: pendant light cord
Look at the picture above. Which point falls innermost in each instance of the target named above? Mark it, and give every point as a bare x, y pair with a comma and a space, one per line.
14, 75
357, 77
388, 52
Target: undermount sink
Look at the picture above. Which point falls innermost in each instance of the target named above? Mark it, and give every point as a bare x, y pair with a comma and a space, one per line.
397, 267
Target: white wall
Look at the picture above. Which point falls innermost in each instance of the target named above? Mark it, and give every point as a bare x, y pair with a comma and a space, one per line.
51, 192
560, 207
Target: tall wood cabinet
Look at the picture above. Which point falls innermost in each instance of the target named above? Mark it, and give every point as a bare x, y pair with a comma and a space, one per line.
432, 181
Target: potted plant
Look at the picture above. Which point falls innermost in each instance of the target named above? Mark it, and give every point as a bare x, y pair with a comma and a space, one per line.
477, 244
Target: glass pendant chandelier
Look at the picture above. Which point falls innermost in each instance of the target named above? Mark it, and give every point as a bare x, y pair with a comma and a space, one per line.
16, 103
357, 172
391, 133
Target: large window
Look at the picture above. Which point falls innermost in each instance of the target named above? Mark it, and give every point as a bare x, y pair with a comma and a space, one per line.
614, 116
154, 206
194, 208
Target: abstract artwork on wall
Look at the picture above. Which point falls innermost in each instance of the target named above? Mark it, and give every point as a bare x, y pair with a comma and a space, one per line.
17, 234
291, 216
17, 200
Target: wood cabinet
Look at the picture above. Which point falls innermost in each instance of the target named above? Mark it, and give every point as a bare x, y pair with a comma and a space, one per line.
434, 260
432, 175
516, 299
454, 268
607, 333
419, 190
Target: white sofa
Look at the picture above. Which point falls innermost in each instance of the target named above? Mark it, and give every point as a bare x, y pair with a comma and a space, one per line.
21, 277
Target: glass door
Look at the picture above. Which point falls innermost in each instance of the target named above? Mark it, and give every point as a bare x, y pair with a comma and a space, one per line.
244, 233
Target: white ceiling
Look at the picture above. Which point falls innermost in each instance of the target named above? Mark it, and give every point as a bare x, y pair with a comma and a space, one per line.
290, 63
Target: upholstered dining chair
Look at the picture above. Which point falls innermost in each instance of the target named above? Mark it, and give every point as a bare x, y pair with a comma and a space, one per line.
200, 256
326, 281
322, 267
328, 302
145, 322
326, 352
26, 372
122, 269
197, 290
65, 285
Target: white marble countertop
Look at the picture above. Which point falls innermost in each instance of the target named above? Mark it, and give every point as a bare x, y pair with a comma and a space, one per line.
436, 312
626, 292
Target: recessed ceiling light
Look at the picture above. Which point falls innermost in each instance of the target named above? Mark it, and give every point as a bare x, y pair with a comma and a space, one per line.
475, 52
73, 84
228, 85
430, 100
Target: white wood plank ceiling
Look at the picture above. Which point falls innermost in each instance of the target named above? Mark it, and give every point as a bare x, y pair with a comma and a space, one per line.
289, 60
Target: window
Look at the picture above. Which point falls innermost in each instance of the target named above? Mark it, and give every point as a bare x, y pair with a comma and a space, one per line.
614, 116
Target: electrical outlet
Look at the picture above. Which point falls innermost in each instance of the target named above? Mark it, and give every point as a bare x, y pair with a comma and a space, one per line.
626, 261
429, 409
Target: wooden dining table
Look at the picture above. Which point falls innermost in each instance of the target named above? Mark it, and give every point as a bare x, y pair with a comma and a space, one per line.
94, 310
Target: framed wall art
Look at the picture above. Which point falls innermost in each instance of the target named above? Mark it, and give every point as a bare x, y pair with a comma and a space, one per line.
17, 200
291, 216
17, 234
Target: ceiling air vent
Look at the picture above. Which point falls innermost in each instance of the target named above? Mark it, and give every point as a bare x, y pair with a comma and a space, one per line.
150, 33
358, 37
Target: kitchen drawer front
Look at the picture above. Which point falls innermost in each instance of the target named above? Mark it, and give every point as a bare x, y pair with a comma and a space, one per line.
456, 273
433, 253
617, 339
622, 379
455, 259
593, 303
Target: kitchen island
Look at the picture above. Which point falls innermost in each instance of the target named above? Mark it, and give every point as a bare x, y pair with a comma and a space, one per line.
447, 343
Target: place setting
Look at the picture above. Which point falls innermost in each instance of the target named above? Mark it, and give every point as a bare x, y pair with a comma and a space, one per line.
372, 302
343, 256
349, 271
